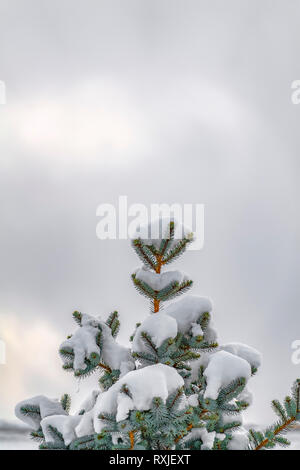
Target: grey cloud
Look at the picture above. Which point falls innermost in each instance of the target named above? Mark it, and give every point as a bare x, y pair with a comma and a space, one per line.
205, 89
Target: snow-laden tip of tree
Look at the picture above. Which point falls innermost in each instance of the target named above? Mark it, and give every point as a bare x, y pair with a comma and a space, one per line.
175, 388
163, 228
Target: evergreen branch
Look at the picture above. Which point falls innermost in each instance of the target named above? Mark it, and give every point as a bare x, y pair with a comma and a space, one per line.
296, 394
231, 391
173, 398
278, 430
148, 341
177, 251
77, 316
99, 338
287, 418
58, 445
165, 243
82, 373
126, 390
67, 353
107, 417
209, 346
164, 293
139, 247
188, 429
113, 323
153, 250
146, 358
278, 409
57, 436
174, 290
204, 320
66, 402
31, 410
186, 356
37, 435
143, 288
282, 441
83, 443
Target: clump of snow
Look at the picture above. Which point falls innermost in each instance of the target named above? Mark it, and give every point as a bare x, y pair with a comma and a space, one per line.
193, 400
239, 441
46, 406
180, 316
64, 424
159, 281
89, 402
83, 343
230, 418
143, 384
114, 354
207, 438
196, 329
86, 424
159, 327
188, 310
224, 367
246, 395
159, 228
244, 351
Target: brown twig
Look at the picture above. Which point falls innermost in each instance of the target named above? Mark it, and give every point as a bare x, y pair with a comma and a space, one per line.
278, 430
107, 368
131, 436
159, 263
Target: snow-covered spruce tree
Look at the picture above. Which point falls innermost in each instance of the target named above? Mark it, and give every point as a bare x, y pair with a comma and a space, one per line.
175, 388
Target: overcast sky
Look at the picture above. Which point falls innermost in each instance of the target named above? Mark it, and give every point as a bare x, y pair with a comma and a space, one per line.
163, 101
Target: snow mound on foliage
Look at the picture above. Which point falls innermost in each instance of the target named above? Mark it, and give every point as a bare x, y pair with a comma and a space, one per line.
207, 438
239, 441
180, 316
246, 395
159, 281
83, 343
188, 310
89, 402
46, 406
224, 367
159, 327
143, 384
157, 229
245, 352
64, 425
86, 424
